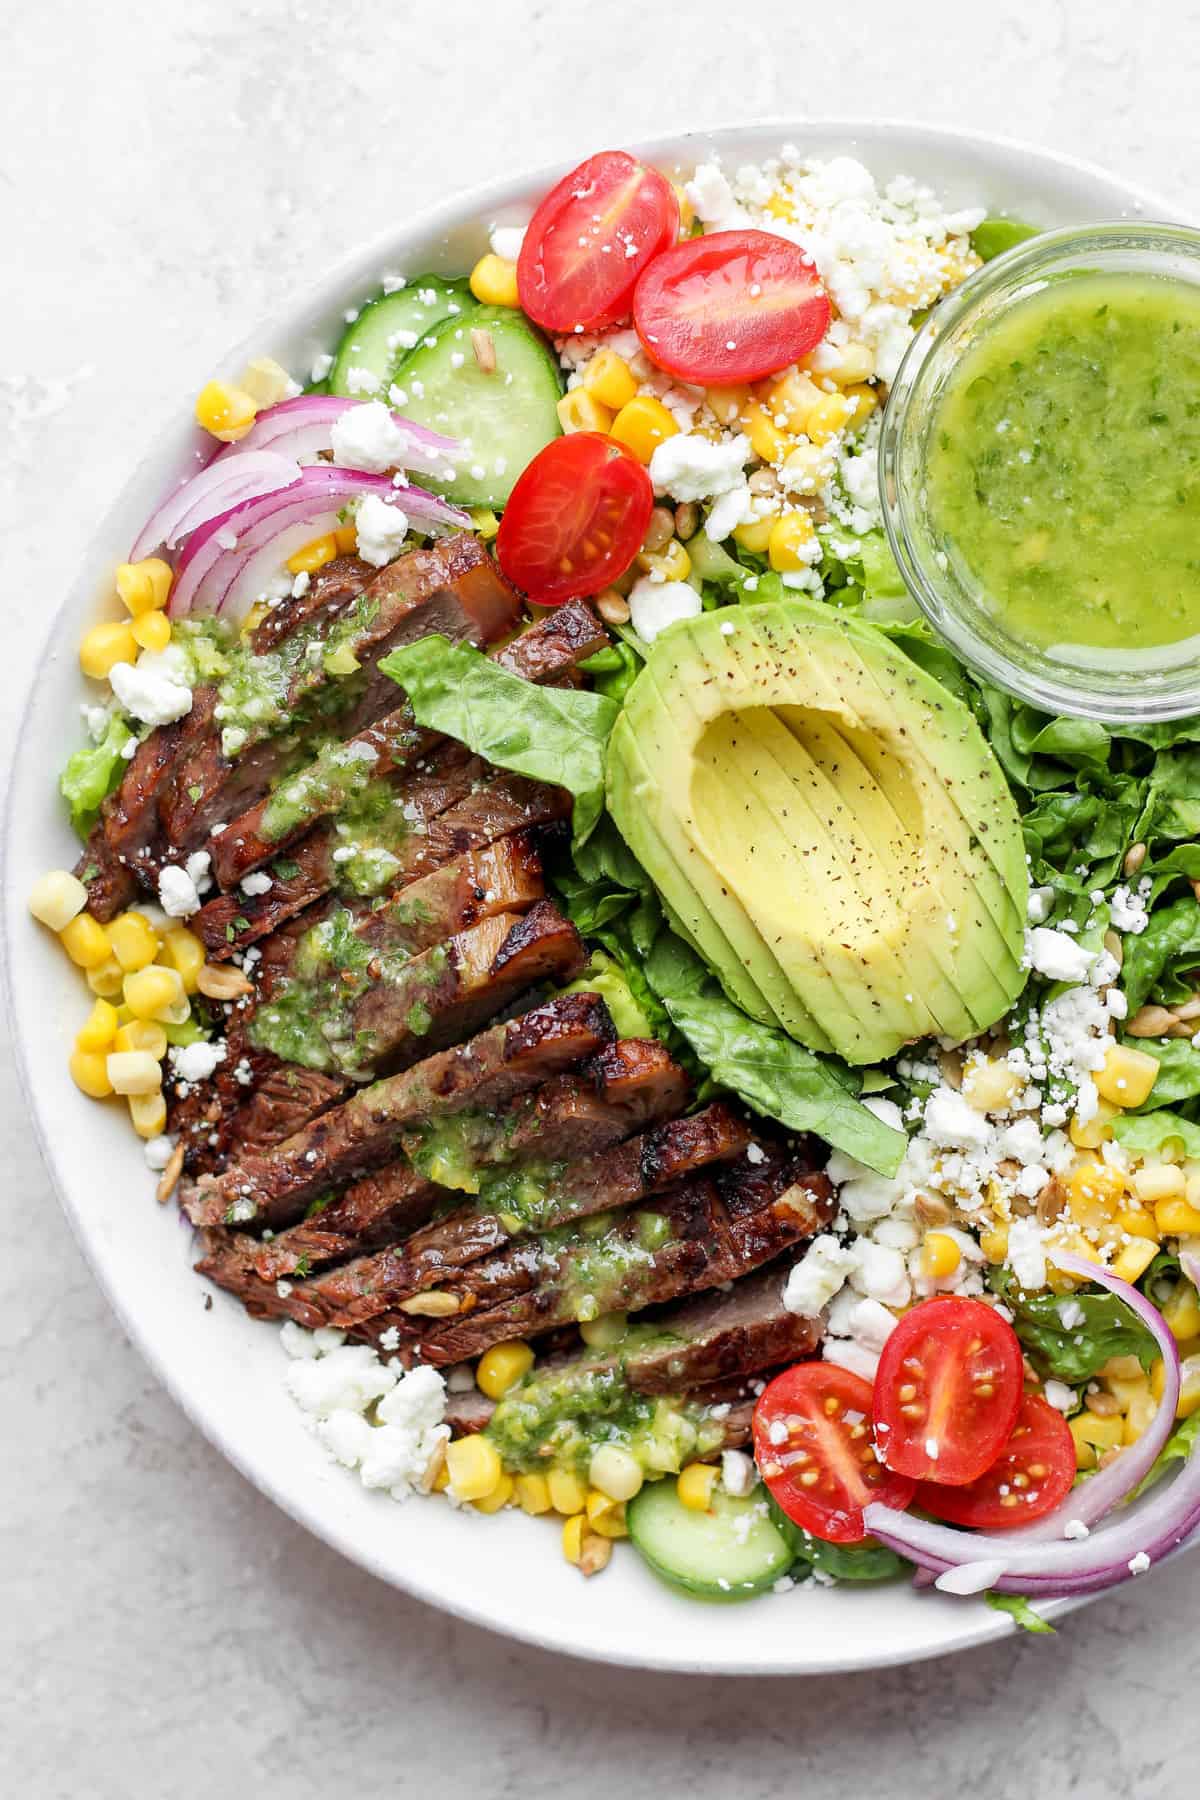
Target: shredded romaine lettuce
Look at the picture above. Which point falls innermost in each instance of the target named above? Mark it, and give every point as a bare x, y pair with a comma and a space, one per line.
93, 772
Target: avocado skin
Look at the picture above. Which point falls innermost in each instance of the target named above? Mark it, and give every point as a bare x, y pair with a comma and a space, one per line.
827, 827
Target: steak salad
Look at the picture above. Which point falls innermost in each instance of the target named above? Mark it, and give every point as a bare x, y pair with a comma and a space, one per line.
672, 1048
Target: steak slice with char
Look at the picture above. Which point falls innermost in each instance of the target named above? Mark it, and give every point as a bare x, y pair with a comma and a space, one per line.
330, 590
275, 1186
714, 1336
547, 651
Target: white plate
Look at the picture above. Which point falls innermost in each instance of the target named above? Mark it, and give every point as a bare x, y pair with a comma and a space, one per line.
223, 1369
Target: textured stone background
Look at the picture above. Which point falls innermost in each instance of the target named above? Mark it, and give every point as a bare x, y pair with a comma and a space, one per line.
169, 172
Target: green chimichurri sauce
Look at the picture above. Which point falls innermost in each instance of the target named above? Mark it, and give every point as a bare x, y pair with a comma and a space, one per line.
1063, 474
558, 1417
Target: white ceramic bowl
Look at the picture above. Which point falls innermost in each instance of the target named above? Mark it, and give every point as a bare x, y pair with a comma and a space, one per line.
225, 1370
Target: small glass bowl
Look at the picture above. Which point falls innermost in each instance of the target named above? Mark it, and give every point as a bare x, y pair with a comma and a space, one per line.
1127, 686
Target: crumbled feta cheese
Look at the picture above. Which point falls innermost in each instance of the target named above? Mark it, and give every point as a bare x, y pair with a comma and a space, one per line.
951, 1120
320, 367
367, 437
653, 605
738, 1473
347, 1377
1075, 1529
971, 1578
382, 528
361, 381
1129, 909
158, 1153
1040, 905
882, 1273
506, 241
1139, 1564
196, 1062
1062, 1398
256, 883
821, 1273
690, 467
154, 688
177, 893
1056, 955
1027, 1253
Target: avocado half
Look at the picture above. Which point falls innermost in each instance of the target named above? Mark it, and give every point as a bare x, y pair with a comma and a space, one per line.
827, 827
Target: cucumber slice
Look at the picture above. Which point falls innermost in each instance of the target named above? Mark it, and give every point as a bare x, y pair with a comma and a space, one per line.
502, 416
728, 1553
868, 1561
387, 329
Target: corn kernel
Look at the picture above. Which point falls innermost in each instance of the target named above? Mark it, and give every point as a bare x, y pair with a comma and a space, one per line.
133, 1072
1181, 1310
727, 403
227, 412
85, 941
642, 425
788, 400
266, 381
847, 364
500, 1496
141, 1034
152, 630
135, 943
831, 414
1165, 1182
313, 556
606, 1331
610, 378
863, 401
990, 1085
1158, 1378
89, 1072
1093, 1189
567, 1492
494, 281
766, 439
1139, 1414
104, 646
672, 563
98, 1029
148, 1114
474, 1465
346, 538
1135, 1221
106, 978
183, 951
1175, 1218
144, 586
1094, 1435
605, 1515
1127, 1076
1134, 1259
501, 1367
994, 1243
572, 1537
790, 544
533, 1494
940, 1256
616, 1472
1098, 1129
755, 536
153, 993
581, 411
57, 898
695, 1485
687, 212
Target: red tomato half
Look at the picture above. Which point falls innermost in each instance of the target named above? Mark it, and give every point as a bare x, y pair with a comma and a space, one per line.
590, 239
1033, 1473
947, 1390
813, 1446
576, 518
730, 307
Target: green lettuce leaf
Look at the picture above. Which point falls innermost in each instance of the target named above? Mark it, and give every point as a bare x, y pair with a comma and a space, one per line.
93, 772
613, 670
1144, 1134
605, 976
1170, 942
549, 734
1073, 1353
1178, 1062
1183, 1442
867, 1561
1021, 1613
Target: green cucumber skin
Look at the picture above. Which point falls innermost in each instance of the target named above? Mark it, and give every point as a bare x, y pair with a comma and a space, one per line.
363, 344
697, 1551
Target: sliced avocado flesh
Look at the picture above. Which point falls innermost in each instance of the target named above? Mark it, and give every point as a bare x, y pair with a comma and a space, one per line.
815, 810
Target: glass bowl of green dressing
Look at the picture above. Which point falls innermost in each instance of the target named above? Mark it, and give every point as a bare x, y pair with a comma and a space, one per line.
1040, 471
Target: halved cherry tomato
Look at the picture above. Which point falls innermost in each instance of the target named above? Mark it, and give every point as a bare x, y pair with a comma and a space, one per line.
730, 307
1032, 1474
814, 1449
947, 1390
576, 518
590, 239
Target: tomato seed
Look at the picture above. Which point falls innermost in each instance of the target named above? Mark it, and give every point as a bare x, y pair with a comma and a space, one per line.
809, 1478
908, 1391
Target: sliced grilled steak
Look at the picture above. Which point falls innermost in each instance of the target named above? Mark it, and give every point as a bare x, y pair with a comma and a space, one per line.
544, 652
275, 1186
330, 590
376, 1210
453, 587
714, 1336
470, 1412
502, 877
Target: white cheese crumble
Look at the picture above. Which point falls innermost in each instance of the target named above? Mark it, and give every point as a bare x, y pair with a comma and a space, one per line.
738, 1473
1056, 955
653, 605
158, 1152
256, 883
382, 528
197, 1062
690, 467
155, 688
1062, 1398
367, 437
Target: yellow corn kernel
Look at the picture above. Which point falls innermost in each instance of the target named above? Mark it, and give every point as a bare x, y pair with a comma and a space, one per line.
790, 544
1093, 1435
141, 1034
346, 538
990, 1085
687, 212
266, 381
133, 1072
98, 1029
994, 1243
567, 1493
615, 1472
104, 646
610, 378
766, 439
500, 1496
581, 411
227, 411
788, 399
605, 1515
695, 1485
152, 630
144, 586
106, 978
1098, 1129
940, 1255
494, 281
1158, 1378
1134, 1259
1176, 1218
863, 401
148, 1114
1139, 1414
756, 535
1189, 1388
727, 403
1182, 1311
1093, 1188
183, 951
831, 414
474, 1465
484, 522
135, 943
501, 1367
572, 1537
642, 424
57, 898
89, 1072
313, 556
153, 993
1135, 1221
1166, 1182
847, 364
672, 563
1127, 1076
533, 1494
85, 941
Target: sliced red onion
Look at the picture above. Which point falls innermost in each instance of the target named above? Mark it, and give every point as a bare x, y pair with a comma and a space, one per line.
214, 491
228, 562
301, 428
1189, 1260
1040, 1559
